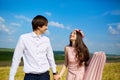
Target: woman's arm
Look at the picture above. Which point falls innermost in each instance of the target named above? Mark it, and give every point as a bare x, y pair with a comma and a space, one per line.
65, 62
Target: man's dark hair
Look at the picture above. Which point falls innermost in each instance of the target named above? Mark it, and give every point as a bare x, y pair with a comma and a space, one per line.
39, 21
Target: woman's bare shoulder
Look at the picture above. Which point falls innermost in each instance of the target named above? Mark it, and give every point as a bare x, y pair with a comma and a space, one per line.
66, 47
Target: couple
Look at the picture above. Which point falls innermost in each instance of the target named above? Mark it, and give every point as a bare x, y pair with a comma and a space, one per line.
38, 57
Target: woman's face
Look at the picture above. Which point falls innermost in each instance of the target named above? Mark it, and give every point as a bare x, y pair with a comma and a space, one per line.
73, 36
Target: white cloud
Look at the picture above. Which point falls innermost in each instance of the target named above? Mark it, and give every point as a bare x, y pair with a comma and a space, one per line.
112, 31
68, 28
15, 24
106, 13
118, 27
2, 20
4, 28
56, 24
7, 28
118, 44
113, 12
114, 28
10, 40
23, 18
48, 13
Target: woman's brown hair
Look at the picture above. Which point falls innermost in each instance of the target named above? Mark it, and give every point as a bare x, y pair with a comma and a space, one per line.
82, 52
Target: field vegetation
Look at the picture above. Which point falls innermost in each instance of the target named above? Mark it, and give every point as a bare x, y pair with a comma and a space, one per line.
111, 70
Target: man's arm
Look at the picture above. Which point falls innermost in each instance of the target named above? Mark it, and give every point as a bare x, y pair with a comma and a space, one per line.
50, 57
16, 58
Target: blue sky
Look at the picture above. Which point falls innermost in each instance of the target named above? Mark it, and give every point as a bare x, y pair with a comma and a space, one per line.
99, 20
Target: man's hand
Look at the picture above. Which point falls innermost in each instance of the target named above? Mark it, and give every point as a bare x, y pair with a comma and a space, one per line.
56, 77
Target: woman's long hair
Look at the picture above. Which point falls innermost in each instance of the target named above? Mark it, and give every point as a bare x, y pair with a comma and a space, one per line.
82, 52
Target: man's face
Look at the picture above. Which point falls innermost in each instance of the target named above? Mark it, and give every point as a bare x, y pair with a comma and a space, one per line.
43, 29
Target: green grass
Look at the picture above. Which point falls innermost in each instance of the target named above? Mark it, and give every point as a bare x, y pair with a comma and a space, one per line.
111, 72
7, 53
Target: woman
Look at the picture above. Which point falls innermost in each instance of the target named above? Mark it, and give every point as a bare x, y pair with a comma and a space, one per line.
76, 57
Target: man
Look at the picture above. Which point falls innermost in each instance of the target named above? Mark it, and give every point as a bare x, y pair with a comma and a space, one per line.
36, 51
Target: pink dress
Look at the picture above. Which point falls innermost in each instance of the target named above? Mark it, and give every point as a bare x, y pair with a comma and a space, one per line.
75, 72
96, 65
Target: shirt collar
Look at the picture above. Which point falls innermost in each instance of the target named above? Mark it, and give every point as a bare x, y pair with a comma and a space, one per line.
35, 35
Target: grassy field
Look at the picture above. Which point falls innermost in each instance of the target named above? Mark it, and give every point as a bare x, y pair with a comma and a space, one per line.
6, 56
111, 72
7, 53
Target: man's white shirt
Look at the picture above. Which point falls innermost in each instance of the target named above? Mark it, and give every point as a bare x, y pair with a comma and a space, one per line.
37, 55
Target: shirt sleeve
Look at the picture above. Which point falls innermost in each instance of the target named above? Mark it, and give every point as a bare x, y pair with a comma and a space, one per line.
50, 57
18, 53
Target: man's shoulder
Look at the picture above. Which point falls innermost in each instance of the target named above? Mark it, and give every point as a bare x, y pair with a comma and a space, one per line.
25, 35
45, 37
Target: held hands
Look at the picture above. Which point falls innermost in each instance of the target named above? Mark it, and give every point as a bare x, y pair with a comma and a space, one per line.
57, 77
